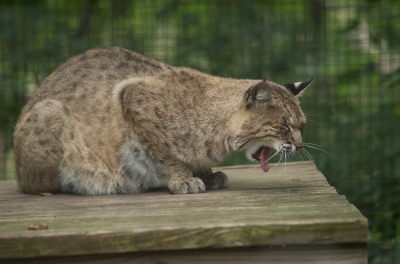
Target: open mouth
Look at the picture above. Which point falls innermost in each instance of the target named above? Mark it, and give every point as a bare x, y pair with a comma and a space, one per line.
262, 155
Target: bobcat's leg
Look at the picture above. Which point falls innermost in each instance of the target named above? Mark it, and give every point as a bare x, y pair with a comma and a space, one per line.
180, 178
38, 148
216, 180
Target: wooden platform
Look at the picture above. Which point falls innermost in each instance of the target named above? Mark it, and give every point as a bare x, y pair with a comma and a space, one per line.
290, 214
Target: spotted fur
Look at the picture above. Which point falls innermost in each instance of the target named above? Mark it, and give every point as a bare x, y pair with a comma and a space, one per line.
111, 121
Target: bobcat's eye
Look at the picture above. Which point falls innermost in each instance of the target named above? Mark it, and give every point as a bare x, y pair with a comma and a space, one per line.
286, 126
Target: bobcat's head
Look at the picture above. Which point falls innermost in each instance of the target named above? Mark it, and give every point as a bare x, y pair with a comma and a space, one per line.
273, 119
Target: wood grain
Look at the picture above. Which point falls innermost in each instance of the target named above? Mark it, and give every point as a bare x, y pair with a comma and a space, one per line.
291, 206
318, 254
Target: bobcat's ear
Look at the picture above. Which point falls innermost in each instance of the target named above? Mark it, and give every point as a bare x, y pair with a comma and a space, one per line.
257, 93
298, 88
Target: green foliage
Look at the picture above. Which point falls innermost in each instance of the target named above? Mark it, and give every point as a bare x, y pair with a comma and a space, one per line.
350, 47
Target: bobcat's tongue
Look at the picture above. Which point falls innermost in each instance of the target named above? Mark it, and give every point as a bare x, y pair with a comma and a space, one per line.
264, 156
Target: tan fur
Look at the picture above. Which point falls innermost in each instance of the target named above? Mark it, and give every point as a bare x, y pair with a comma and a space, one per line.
112, 121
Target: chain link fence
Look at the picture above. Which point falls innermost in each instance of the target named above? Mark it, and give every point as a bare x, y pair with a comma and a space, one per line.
350, 47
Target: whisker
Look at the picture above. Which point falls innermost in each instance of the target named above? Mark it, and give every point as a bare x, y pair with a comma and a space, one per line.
311, 144
286, 157
308, 157
308, 154
312, 122
257, 165
277, 163
301, 156
307, 115
271, 157
285, 162
297, 157
318, 149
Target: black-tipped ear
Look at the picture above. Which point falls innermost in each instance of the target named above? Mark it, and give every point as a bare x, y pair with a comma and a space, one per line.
297, 88
259, 92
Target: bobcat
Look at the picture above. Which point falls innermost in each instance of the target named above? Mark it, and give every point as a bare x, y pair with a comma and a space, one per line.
111, 121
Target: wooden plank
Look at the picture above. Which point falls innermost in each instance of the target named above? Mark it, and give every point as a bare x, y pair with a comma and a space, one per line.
292, 205
318, 254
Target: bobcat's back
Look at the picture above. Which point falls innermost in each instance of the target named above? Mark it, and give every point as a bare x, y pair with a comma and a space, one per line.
84, 77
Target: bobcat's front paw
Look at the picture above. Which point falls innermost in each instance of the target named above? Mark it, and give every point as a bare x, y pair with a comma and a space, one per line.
188, 185
217, 180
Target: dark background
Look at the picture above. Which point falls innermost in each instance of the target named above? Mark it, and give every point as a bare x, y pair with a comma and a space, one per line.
350, 47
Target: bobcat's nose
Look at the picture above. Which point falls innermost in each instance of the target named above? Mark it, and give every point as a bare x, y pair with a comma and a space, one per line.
298, 146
